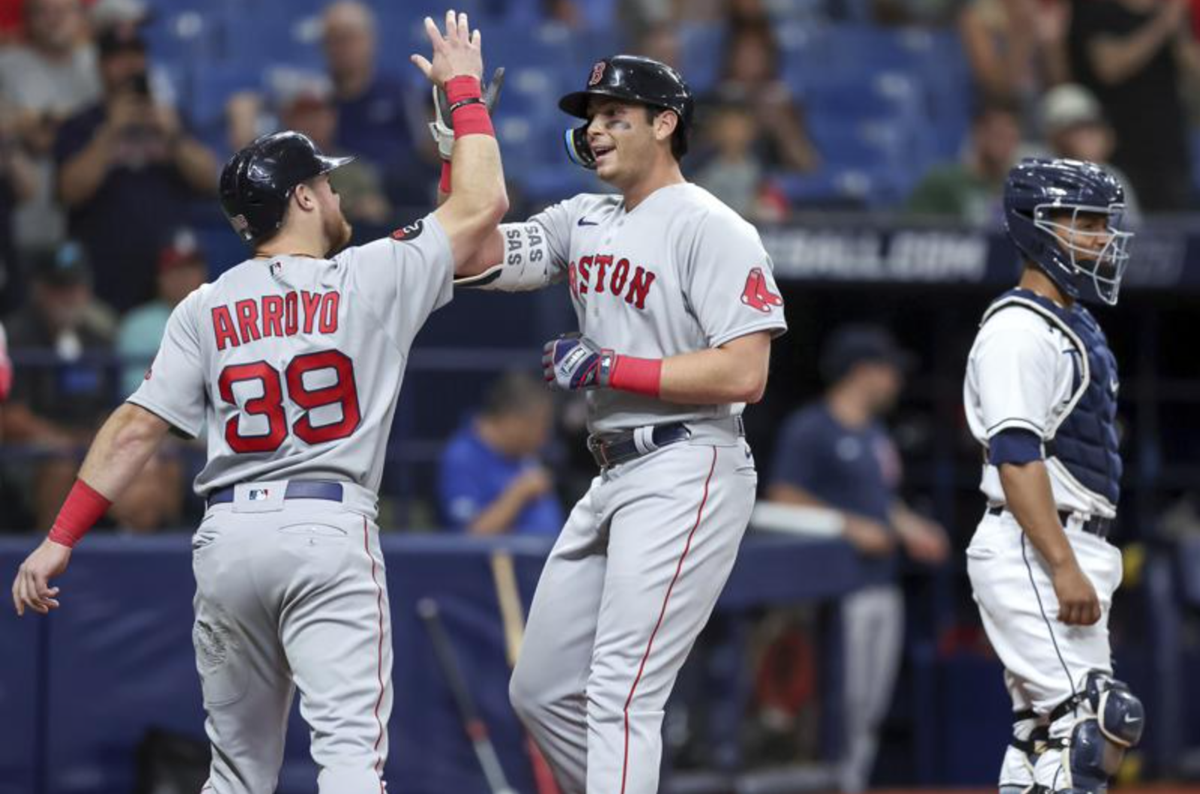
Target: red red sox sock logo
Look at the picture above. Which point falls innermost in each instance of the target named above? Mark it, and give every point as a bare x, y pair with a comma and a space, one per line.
757, 295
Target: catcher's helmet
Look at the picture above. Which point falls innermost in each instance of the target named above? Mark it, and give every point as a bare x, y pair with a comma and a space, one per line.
258, 181
632, 78
1037, 193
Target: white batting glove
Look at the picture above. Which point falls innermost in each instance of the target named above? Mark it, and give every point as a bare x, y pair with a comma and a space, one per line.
442, 126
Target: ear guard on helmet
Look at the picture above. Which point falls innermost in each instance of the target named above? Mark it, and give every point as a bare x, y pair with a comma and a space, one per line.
578, 149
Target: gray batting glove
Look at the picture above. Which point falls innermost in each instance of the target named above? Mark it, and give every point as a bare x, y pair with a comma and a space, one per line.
442, 126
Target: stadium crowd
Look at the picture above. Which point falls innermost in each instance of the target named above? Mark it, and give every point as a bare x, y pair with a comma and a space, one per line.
109, 148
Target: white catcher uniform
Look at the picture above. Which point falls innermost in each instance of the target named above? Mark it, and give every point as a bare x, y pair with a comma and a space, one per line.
1026, 371
645, 553
294, 366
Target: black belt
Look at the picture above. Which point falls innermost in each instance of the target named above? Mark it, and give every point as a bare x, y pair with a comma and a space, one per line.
613, 448
296, 489
1100, 527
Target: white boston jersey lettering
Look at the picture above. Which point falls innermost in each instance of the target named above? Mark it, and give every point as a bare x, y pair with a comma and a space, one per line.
1021, 373
294, 364
681, 272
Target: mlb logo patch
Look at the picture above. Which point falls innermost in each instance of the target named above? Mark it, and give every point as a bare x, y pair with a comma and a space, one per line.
259, 494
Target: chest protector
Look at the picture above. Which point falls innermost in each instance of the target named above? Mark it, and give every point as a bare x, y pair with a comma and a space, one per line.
1083, 436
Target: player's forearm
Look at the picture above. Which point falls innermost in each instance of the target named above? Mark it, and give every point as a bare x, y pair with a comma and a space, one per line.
197, 165
82, 175
1114, 59
733, 373
477, 180
121, 448
498, 517
1030, 499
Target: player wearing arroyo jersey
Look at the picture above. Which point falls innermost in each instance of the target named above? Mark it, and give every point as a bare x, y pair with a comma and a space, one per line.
1041, 397
292, 362
676, 307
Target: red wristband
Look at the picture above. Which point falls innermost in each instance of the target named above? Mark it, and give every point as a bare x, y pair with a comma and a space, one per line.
463, 87
472, 118
444, 184
83, 507
637, 375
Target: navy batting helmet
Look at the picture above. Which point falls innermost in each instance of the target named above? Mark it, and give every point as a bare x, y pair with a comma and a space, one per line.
1043, 199
258, 181
631, 78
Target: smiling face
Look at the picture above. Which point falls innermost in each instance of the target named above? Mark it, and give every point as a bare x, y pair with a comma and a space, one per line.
627, 139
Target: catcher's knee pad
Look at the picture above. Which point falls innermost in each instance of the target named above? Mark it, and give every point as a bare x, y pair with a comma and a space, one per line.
1111, 721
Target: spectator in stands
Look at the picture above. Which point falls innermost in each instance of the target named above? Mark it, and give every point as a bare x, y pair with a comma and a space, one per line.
491, 481
1074, 127
304, 102
1134, 55
372, 107
18, 183
1016, 49
906, 12
734, 173
45, 80
970, 191
307, 106
660, 42
836, 454
750, 75
59, 397
181, 269
127, 167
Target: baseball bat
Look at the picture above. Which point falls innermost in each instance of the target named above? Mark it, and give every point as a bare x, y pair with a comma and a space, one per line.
513, 618
474, 725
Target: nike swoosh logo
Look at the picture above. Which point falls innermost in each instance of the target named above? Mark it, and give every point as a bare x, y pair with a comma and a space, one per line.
1134, 719
586, 222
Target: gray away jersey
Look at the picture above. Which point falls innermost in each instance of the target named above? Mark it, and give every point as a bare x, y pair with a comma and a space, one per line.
682, 272
294, 364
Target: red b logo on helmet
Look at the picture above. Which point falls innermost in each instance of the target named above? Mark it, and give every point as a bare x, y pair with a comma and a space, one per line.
597, 73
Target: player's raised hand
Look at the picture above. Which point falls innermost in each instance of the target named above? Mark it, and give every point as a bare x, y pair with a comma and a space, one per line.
1078, 604
31, 589
455, 54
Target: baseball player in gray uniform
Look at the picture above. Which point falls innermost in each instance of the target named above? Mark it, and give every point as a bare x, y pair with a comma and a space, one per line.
676, 308
292, 362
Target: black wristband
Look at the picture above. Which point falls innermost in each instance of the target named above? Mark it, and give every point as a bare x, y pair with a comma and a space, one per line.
464, 102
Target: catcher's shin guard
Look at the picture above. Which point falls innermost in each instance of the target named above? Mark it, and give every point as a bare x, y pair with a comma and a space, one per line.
1111, 722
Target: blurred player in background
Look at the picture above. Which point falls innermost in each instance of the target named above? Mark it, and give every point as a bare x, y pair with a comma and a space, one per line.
1041, 397
293, 361
837, 454
677, 308
490, 480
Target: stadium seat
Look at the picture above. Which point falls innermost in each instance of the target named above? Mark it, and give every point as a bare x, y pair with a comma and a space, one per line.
702, 47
